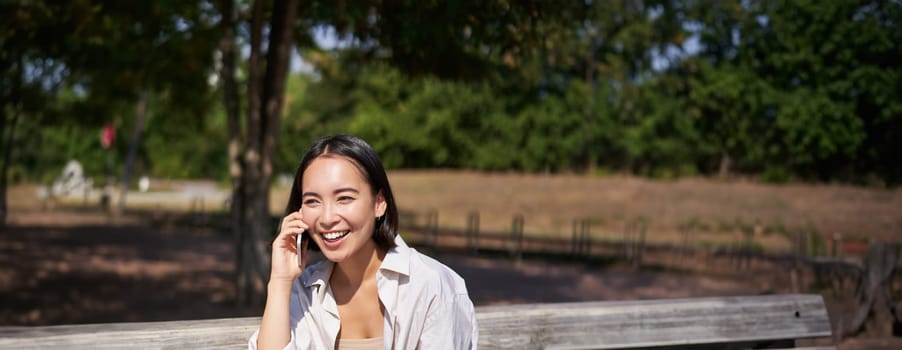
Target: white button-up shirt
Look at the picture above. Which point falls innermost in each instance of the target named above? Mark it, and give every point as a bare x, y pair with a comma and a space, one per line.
425, 303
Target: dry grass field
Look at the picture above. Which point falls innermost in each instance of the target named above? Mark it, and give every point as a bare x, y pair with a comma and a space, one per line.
715, 210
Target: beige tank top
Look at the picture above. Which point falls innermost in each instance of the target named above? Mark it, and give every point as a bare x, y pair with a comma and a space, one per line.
361, 344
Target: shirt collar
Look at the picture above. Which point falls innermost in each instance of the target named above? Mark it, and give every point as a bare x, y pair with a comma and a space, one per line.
397, 259
318, 274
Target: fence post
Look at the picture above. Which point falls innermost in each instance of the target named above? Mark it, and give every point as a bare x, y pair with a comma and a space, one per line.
642, 226
197, 211
473, 232
105, 196
837, 242
745, 251
683, 253
86, 186
580, 241
795, 274
627, 243
517, 237
432, 226
574, 249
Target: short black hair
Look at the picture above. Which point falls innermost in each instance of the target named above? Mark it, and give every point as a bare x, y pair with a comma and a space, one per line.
362, 155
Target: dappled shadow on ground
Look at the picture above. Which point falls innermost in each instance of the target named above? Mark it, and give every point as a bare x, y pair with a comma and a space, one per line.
494, 281
143, 269
51, 274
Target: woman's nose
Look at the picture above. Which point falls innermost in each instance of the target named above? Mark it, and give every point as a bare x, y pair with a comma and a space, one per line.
329, 217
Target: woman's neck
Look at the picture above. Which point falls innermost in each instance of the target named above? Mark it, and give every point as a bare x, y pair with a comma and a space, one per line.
359, 267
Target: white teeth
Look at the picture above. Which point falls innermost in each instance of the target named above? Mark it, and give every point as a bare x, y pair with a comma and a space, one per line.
331, 236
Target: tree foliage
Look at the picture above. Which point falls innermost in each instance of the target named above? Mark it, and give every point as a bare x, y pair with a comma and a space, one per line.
660, 88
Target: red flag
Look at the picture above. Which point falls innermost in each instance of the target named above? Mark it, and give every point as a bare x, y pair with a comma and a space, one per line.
107, 136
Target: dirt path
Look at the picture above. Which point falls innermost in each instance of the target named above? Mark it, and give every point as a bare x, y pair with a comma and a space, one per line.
498, 281
94, 271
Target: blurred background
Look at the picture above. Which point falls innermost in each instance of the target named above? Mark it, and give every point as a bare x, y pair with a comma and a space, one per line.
547, 150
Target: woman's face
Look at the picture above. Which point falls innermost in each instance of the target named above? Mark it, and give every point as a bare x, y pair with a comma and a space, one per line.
339, 208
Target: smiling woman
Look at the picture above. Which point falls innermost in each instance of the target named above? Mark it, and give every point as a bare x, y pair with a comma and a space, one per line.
341, 199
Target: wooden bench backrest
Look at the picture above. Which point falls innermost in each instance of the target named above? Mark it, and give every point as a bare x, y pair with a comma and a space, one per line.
651, 323
584, 325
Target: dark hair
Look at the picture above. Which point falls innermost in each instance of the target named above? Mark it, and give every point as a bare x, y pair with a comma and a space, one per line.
364, 157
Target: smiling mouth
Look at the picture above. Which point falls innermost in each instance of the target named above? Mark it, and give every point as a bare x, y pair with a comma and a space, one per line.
334, 236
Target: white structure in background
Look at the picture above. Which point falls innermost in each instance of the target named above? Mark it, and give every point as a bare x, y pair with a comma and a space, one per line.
143, 184
72, 181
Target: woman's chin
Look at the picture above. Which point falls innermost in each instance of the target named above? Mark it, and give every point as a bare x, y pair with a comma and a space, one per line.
334, 256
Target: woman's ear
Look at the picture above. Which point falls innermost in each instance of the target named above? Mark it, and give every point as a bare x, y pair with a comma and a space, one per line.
381, 205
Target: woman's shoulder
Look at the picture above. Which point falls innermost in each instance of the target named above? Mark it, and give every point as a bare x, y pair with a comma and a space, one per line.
428, 270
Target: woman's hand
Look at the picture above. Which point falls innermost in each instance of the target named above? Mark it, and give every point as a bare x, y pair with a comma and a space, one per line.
286, 266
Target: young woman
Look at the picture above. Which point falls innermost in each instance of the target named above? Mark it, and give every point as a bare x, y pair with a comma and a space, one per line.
371, 291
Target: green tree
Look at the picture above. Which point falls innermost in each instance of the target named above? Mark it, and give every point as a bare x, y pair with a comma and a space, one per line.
252, 143
92, 58
731, 107
836, 67
791, 75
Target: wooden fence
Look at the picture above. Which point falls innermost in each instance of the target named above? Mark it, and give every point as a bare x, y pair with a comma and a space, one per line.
632, 245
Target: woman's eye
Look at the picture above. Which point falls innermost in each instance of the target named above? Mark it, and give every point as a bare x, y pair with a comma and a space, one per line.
310, 202
345, 199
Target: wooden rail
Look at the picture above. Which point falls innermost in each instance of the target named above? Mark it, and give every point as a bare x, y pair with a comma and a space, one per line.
719, 323
632, 241
632, 246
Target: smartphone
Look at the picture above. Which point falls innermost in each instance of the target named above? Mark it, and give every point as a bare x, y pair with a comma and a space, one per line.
302, 249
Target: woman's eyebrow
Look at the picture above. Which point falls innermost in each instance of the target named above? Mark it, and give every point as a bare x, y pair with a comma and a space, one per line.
337, 191
346, 189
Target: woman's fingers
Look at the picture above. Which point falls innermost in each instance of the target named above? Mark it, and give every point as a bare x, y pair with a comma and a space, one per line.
286, 257
291, 231
292, 225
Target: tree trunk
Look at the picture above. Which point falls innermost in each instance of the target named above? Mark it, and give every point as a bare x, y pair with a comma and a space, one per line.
132, 151
232, 109
281, 42
874, 292
724, 170
7, 143
591, 153
250, 162
7, 154
3, 166
250, 157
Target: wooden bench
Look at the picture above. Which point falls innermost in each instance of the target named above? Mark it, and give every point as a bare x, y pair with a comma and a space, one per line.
705, 323
711, 323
